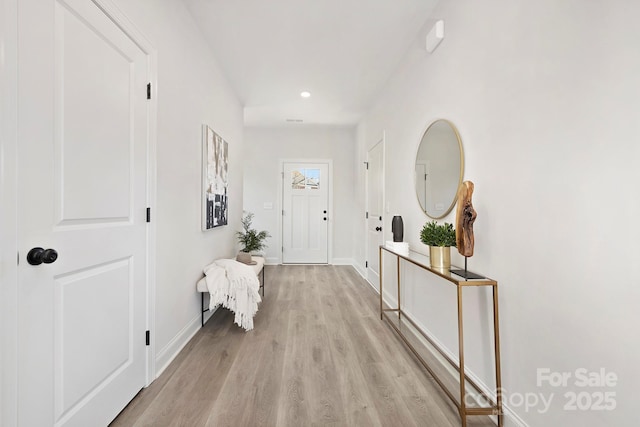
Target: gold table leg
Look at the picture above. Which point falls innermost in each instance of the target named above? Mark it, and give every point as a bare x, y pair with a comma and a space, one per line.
463, 407
496, 340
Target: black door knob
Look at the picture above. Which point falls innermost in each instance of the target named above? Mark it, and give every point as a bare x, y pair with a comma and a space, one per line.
378, 228
37, 256
49, 256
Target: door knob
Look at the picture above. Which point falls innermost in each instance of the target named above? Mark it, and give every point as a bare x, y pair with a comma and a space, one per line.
378, 228
37, 256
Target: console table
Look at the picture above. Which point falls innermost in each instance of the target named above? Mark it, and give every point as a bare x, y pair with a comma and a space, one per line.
422, 261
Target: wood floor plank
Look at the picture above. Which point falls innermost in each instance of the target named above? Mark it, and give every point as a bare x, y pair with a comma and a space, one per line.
270, 358
358, 404
319, 356
293, 408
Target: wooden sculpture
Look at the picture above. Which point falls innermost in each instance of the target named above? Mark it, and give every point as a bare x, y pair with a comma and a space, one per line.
465, 216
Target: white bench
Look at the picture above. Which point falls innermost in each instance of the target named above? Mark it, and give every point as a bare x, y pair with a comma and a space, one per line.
258, 267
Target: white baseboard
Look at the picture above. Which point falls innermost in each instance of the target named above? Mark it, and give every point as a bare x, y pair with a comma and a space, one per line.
511, 418
360, 269
389, 300
175, 346
342, 261
334, 261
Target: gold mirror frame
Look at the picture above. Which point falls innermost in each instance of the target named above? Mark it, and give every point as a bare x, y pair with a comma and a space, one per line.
440, 162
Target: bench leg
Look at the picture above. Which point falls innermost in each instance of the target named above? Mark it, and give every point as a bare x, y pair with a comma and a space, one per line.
203, 310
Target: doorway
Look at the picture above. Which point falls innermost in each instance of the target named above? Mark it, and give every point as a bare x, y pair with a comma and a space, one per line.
305, 212
375, 210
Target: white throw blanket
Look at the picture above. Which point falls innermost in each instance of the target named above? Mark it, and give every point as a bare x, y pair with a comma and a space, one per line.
235, 286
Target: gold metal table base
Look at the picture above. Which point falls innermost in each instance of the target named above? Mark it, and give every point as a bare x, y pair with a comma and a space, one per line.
495, 408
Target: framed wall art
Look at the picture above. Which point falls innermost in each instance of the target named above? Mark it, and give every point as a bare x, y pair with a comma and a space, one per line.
215, 157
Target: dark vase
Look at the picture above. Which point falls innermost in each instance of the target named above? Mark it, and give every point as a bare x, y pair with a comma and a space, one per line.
397, 228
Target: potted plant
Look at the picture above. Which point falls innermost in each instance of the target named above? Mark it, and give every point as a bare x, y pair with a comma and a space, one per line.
250, 239
439, 238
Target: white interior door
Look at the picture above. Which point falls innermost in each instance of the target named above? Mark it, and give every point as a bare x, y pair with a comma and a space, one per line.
82, 192
305, 214
375, 211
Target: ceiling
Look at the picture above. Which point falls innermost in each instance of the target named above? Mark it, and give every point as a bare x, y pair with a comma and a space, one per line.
342, 51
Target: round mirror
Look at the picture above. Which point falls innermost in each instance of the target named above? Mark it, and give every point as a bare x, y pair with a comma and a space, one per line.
439, 167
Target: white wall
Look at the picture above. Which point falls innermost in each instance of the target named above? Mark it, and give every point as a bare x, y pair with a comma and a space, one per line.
191, 91
546, 98
264, 150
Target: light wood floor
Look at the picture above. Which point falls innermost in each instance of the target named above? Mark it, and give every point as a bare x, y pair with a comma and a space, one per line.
319, 356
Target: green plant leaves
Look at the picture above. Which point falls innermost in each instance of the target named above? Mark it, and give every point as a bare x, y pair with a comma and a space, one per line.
250, 239
433, 234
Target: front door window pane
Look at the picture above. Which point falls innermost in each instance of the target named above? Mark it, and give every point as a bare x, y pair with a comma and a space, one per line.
305, 179
312, 178
297, 179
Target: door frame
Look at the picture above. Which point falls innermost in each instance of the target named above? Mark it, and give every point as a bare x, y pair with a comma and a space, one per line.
9, 244
280, 196
380, 140
8, 214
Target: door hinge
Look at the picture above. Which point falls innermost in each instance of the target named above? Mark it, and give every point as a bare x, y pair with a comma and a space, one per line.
148, 90
366, 264
366, 215
367, 165
18, 258
148, 214
147, 337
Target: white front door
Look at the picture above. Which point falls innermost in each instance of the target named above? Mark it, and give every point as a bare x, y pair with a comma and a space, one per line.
375, 203
82, 168
305, 214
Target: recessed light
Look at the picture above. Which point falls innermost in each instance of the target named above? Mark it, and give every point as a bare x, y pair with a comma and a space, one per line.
305, 94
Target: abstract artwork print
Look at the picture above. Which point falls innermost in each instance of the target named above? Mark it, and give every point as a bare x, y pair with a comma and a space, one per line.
215, 181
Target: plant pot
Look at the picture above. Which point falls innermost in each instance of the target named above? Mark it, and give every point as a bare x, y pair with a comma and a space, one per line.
440, 257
